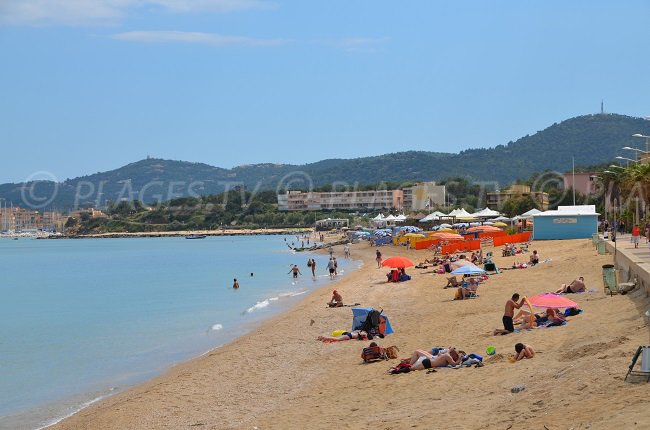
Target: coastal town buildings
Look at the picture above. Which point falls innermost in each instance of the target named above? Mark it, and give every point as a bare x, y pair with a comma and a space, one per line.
424, 195
17, 219
416, 197
496, 200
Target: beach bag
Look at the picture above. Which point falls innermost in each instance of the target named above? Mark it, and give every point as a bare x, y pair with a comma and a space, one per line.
381, 329
403, 367
391, 352
372, 353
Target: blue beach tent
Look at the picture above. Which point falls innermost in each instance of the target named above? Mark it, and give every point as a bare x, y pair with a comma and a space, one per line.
359, 316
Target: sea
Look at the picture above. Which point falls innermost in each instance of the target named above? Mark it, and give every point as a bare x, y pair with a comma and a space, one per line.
83, 319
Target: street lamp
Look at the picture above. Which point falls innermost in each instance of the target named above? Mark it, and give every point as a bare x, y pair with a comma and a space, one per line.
623, 158
647, 140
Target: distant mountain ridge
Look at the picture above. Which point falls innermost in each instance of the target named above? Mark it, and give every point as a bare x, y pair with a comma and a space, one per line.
591, 139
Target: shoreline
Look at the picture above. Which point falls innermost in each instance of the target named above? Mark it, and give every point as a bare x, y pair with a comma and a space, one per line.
279, 376
183, 233
352, 266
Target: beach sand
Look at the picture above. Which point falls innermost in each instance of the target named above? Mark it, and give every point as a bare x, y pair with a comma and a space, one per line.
280, 377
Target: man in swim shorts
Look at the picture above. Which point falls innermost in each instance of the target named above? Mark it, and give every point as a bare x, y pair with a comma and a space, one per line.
508, 324
296, 271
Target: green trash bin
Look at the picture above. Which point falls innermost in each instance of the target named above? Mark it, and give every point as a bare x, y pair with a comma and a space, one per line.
609, 277
601, 247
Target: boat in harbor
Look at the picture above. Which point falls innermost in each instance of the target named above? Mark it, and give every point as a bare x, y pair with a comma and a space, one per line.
196, 236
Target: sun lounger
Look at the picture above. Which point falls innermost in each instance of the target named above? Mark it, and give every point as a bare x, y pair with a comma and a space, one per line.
644, 352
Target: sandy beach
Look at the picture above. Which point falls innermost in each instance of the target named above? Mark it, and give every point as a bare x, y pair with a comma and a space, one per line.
281, 377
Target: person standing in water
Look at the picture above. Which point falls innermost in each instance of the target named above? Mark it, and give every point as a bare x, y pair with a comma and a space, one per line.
296, 271
235, 284
313, 268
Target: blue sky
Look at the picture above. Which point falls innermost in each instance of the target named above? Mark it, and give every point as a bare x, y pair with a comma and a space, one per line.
88, 86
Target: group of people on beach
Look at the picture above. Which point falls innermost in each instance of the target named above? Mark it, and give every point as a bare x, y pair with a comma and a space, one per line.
451, 357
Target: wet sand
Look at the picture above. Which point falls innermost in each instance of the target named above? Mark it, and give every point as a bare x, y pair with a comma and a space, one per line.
280, 377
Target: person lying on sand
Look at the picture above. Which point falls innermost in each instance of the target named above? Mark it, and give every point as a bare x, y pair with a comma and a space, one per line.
421, 360
355, 334
577, 286
549, 318
524, 351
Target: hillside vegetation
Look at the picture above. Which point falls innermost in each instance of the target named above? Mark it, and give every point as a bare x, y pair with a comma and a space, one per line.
591, 139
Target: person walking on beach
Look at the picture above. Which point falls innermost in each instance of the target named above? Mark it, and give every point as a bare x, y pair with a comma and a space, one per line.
235, 285
296, 271
636, 235
509, 313
346, 250
313, 268
378, 258
331, 267
331, 251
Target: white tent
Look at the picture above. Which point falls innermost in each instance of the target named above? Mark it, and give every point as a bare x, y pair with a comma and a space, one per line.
501, 218
455, 212
463, 214
433, 216
390, 218
401, 217
528, 215
379, 217
486, 213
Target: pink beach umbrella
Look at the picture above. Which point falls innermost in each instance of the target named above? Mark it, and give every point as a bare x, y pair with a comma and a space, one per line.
551, 301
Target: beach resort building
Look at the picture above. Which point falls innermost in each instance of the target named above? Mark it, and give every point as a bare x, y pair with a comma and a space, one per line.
343, 200
423, 195
496, 200
419, 196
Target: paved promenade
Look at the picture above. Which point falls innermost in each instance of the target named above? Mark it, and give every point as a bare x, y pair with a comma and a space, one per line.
631, 262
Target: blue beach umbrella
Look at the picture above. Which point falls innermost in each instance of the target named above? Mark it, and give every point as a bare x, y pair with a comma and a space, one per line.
468, 269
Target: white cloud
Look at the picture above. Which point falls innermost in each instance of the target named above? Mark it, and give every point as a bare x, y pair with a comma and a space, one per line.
193, 37
92, 12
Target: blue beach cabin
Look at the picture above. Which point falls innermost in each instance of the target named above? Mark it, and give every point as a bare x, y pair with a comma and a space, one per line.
567, 222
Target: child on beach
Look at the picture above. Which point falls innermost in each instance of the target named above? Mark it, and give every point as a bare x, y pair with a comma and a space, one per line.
524, 351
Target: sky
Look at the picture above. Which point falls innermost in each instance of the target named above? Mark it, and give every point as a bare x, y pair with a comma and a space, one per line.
92, 85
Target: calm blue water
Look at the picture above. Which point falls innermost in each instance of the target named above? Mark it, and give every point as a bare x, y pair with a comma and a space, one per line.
80, 319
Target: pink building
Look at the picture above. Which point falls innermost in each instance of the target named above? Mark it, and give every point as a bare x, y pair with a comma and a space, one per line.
585, 183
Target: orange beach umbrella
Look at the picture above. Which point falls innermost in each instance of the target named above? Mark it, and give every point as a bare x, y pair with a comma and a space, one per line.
447, 236
397, 262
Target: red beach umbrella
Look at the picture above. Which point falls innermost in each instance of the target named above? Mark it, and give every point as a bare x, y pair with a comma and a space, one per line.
551, 301
397, 262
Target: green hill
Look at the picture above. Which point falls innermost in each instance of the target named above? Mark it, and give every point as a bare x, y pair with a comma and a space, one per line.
591, 139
